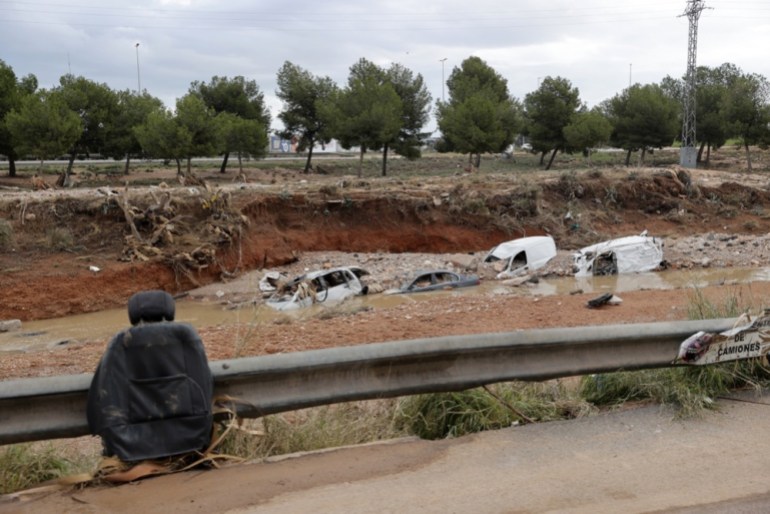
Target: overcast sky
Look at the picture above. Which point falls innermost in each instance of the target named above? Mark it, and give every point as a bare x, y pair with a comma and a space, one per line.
599, 45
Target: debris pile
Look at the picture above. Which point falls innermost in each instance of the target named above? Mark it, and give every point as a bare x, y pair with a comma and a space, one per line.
188, 241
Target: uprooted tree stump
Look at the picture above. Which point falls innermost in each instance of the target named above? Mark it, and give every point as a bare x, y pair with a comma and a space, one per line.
186, 241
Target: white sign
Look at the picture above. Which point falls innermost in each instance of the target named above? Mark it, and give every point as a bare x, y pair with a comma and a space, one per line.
746, 341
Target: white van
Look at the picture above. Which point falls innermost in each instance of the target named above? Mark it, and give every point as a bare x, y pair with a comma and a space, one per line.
630, 254
522, 255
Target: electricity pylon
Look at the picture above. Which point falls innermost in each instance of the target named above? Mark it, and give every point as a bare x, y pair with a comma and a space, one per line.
688, 155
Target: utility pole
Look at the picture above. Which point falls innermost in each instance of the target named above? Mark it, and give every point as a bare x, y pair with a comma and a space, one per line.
442, 78
688, 155
138, 79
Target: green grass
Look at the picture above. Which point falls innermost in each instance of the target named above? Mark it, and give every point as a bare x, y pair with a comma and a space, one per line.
436, 416
314, 429
732, 306
691, 390
23, 466
431, 164
6, 235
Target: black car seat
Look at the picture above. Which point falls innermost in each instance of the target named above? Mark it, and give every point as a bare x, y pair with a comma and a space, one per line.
151, 394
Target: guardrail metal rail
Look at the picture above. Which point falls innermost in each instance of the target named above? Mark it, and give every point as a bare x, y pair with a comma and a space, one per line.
54, 407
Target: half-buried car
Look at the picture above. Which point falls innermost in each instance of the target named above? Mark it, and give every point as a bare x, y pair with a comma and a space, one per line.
322, 286
437, 280
632, 254
521, 256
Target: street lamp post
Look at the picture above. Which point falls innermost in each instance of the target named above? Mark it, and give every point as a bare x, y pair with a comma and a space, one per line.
138, 79
442, 78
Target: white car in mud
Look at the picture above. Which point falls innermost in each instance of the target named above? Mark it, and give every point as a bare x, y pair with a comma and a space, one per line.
323, 286
520, 256
632, 254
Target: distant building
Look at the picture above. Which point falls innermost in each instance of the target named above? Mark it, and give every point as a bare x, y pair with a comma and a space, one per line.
287, 146
280, 145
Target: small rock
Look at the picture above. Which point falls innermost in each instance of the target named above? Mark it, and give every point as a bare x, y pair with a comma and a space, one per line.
9, 325
516, 282
466, 262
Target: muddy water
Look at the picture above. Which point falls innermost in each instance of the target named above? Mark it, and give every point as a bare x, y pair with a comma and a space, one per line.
36, 335
671, 279
50, 333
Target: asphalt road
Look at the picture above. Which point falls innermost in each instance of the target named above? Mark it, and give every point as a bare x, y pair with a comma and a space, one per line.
638, 460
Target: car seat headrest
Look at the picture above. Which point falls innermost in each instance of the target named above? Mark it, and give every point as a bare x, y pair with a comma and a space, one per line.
150, 307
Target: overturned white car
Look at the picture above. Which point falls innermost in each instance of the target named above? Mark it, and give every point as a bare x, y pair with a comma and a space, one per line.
520, 256
630, 254
323, 286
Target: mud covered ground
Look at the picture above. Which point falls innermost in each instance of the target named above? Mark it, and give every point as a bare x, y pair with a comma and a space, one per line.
89, 248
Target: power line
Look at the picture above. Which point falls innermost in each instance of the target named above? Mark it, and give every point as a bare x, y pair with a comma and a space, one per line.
575, 15
384, 20
295, 25
373, 11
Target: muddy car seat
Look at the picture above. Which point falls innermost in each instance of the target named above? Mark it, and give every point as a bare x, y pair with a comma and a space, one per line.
151, 394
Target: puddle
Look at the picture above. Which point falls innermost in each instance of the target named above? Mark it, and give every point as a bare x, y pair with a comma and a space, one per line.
670, 279
51, 333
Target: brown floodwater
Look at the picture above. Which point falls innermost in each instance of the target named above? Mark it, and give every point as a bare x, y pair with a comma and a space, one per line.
41, 334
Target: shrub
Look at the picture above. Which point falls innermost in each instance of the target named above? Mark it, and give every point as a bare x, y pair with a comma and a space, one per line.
570, 186
6, 235
60, 238
25, 465
595, 173
313, 429
751, 225
435, 416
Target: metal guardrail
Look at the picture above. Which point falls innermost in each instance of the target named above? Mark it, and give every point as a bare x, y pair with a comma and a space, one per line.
54, 407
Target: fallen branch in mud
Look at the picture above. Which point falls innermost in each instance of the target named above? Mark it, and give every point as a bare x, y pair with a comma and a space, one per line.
187, 242
128, 214
185, 263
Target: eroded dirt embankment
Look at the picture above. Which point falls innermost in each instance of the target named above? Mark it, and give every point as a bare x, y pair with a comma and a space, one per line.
249, 229
41, 282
